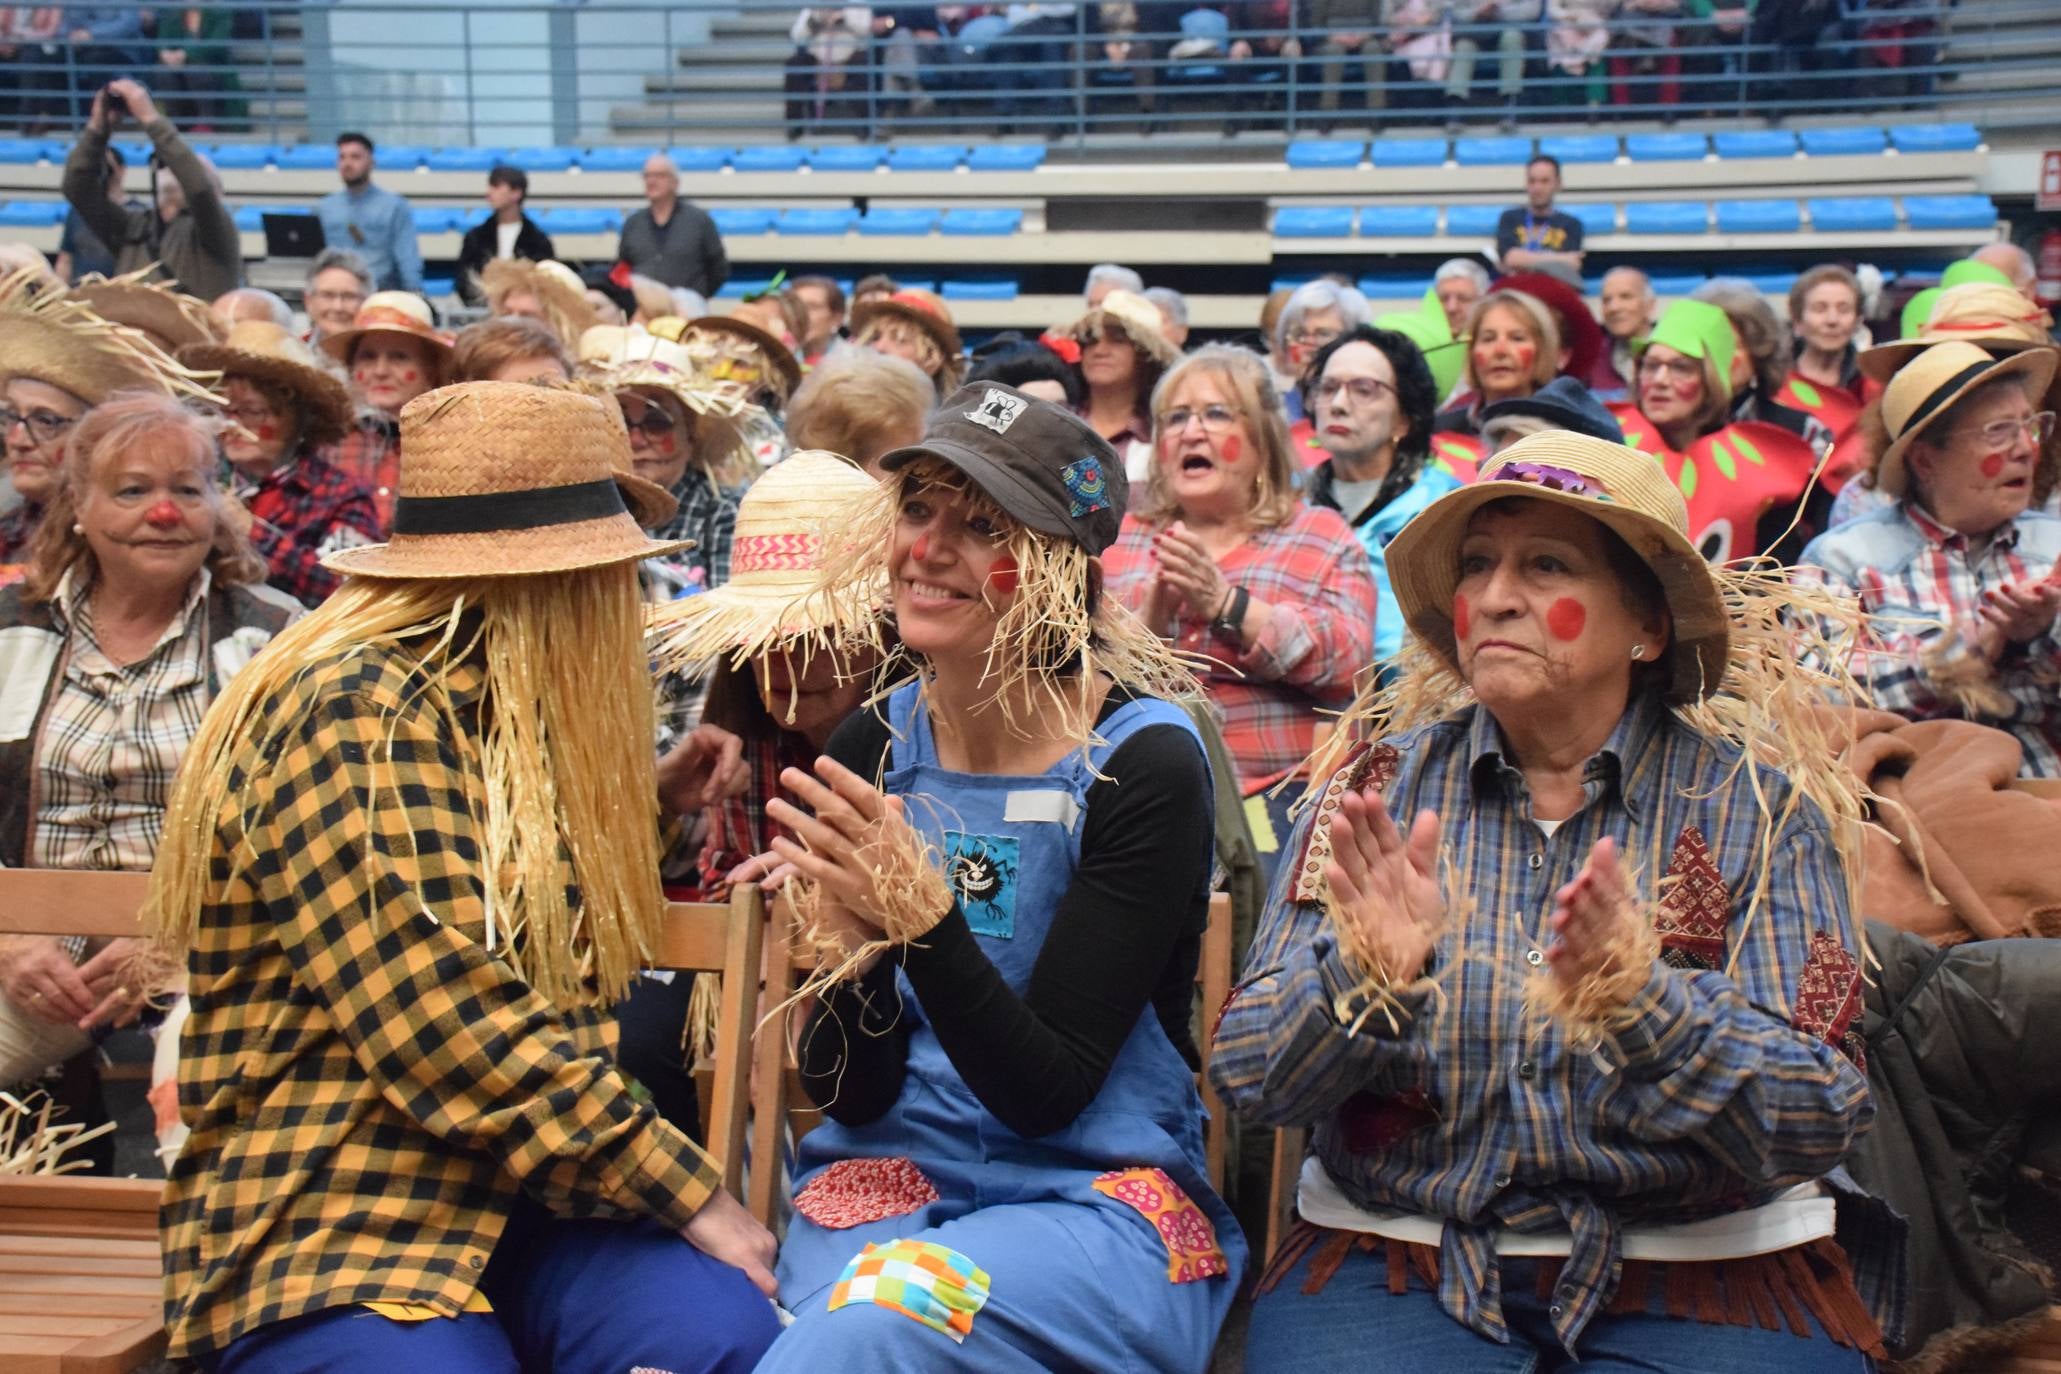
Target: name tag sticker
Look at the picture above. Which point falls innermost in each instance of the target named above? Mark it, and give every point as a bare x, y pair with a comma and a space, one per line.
1045, 805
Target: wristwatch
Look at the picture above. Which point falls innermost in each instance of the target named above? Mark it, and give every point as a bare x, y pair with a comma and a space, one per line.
1230, 621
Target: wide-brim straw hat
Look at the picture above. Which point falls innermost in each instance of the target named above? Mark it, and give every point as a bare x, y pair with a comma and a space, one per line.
1620, 487
928, 312
172, 319
625, 358
559, 292
1135, 317
1579, 331
784, 523
777, 355
1926, 388
391, 312
503, 479
266, 352
1996, 318
59, 340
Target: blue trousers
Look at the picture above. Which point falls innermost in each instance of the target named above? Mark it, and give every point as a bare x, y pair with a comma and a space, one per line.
1355, 1323
569, 1297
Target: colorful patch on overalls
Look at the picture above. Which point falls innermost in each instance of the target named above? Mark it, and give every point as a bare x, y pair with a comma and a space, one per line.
1192, 1251
853, 1192
1086, 485
982, 870
928, 1283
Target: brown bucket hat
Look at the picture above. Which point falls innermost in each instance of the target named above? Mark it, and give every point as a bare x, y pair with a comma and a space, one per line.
263, 350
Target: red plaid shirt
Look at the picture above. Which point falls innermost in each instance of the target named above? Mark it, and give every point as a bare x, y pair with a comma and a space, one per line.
1313, 574
370, 455
738, 828
301, 510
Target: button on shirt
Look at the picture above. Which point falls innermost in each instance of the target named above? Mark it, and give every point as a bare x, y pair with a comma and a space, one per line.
1706, 1100
380, 227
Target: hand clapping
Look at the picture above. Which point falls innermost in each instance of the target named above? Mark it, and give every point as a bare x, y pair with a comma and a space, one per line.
1592, 918
1384, 890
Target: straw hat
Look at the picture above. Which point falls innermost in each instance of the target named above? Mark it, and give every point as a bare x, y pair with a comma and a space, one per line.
776, 556
722, 336
928, 312
1995, 317
59, 340
391, 312
264, 351
1579, 332
1622, 488
651, 505
623, 357
1136, 318
168, 318
1927, 387
560, 294
505, 478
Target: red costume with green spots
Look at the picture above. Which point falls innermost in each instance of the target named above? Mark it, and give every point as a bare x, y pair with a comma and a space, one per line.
1730, 477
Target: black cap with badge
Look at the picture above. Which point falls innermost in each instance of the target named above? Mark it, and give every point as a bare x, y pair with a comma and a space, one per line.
1041, 463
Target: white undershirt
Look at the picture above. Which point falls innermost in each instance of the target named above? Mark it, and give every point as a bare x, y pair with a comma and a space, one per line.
504, 238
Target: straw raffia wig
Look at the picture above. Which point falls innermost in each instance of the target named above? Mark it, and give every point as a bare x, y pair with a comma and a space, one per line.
59, 341
721, 414
728, 349
562, 782
560, 295
925, 318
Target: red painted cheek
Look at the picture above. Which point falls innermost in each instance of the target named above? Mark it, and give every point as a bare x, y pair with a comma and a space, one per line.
267, 433
1992, 464
665, 445
1232, 448
411, 377
1526, 356
1004, 575
361, 375
1566, 618
1463, 618
920, 550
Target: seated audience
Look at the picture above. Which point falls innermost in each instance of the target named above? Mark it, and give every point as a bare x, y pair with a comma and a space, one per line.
1513, 349
1124, 353
1460, 283
916, 325
823, 300
509, 348
1352, 37
194, 57
393, 353
1535, 237
877, 287
284, 411
1958, 576
860, 405
1479, 25
1519, 1070
726, 348
1173, 313
547, 291
1314, 314
2015, 263
249, 304
1587, 348
1761, 360
508, 232
1629, 309
1105, 277
1562, 403
338, 283
1029, 366
826, 76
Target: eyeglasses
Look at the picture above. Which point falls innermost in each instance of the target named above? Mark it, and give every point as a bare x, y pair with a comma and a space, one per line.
1312, 338
44, 425
1681, 369
2001, 434
350, 298
1362, 390
250, 419
655, 423
1215, 419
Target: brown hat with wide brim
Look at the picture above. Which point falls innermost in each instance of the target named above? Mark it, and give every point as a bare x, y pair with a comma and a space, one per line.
169, 318
1996, 318
1926, 388
505, 479
1620, 488
777, 354
928, 312
1136, 318
57, 339
263, 351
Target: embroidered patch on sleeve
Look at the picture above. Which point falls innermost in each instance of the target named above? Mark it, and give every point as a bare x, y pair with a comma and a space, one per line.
982, 872
1695, 907
853, 1192
929, 1283
1192, 1251
1363, 767
1828, 999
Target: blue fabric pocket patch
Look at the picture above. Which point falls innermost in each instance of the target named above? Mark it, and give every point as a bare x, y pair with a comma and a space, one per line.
982, 870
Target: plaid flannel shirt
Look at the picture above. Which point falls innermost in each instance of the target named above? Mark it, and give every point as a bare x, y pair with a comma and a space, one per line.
302, 510
368, 1088
1706, 1099
1313, 574
708, 516
738, 828
370, 455
1921, 585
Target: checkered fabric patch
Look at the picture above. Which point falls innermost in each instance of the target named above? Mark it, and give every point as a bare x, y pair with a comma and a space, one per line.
929, 1283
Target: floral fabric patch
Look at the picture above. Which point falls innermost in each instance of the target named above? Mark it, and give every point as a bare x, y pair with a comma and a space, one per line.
1365, 766
1695, 907
1828, 999
925, 1282
853, 1192
1191, 1242
1086, 485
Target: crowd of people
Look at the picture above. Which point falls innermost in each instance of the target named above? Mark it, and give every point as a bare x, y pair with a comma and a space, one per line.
1589, 692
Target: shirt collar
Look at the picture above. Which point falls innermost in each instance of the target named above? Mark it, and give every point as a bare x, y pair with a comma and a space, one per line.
1622, 768
69, 606
1936, 532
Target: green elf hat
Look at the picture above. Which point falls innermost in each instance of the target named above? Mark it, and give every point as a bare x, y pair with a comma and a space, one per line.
1428, 328
1697, 329
1918, 309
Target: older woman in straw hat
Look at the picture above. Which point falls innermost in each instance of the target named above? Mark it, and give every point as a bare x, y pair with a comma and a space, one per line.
546, 291
1123, 356
419, 844
917, 326
1597, 978
728, 349
1958, 577
285, 411
58, 359
1007, 867
394, 353
139, 606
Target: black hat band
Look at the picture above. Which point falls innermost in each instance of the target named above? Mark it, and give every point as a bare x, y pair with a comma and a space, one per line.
1946, 389
495, 511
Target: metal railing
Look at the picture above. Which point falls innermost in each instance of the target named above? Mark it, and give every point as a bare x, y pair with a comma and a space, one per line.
576, 74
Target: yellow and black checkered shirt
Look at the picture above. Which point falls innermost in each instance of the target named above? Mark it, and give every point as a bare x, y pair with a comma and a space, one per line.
367, 1086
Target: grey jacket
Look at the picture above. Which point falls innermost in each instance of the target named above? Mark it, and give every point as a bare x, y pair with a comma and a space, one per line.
199, 249
687, 251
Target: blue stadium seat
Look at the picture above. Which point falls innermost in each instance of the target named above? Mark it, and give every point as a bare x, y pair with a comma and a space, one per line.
577, 219
1006, 157
1408, 152
318, 157
830, 219
1667, 147
970, 223
1291, 281
1675, 283
540, 159
1597, 216
978, 290
18, 152
1580, 147
242, 157
1491, 152
912, 222
436, 288
1758, 217
136, 151
1395, 288
1935, 138
615, 159
32, 214
464, 159
736, 288
1326, 152
848, 157
1473, 221
743, 219
1737, 143
777, 157
1666, 217
396, 157
1315, 221
442, 219
926, 157
1775, 283
1852, 214
250, 219
700, 157
1863, 141
1950, 212
1399, 221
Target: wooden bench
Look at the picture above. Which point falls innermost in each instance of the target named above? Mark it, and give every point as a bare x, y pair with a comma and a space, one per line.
81, 1287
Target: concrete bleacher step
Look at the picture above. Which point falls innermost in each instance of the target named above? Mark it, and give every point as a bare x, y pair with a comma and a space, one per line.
715, 113
751, 24
739, 52
712, 80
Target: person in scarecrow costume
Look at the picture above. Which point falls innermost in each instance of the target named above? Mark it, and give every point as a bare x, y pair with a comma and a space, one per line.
410, 861
1577, 1031
1006, 869
547, 291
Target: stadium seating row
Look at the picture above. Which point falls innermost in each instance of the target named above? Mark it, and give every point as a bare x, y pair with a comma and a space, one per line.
1845, 214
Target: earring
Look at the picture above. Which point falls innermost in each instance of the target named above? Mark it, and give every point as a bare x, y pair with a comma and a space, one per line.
1638, 651
78, 528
